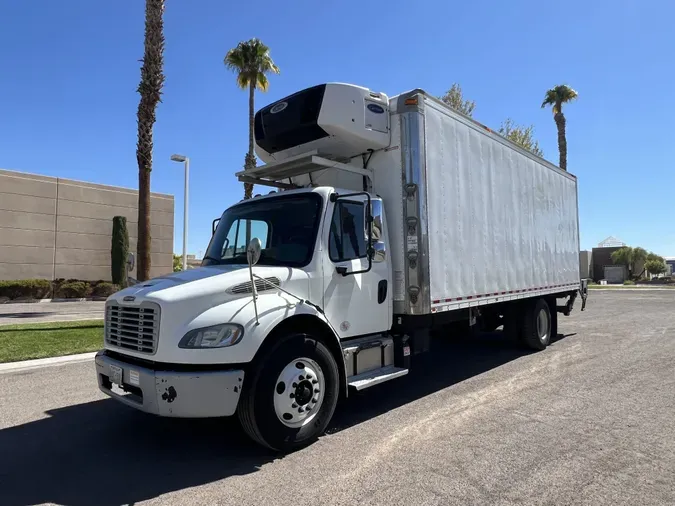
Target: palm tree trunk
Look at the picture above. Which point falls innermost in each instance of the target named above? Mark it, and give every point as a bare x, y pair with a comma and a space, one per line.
250, 162
144, 237
559, 119
150, 89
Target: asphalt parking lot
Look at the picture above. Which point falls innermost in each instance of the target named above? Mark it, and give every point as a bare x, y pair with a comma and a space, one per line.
590, 420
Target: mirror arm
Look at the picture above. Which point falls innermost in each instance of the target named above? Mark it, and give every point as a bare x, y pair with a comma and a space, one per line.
252, 257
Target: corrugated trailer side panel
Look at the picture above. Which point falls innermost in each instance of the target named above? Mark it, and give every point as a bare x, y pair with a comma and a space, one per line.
499, 222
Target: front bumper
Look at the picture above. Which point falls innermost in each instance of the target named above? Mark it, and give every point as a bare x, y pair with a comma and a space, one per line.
197, 394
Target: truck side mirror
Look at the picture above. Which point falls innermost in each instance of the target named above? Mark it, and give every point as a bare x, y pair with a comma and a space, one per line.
253, 251
214, 224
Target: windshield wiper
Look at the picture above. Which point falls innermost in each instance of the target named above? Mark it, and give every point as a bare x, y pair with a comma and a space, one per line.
214, 259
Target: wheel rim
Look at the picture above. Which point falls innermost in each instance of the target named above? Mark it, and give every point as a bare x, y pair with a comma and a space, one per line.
298, 392
542, 324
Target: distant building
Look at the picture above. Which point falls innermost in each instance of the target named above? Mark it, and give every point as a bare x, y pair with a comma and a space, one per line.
611, 242
585, 264
602, 257
58, 228
193, 262
670, 263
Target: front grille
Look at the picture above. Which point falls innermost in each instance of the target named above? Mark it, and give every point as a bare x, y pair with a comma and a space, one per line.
133, 328
260, 286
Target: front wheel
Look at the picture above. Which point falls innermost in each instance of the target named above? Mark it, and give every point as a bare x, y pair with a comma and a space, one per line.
291, 395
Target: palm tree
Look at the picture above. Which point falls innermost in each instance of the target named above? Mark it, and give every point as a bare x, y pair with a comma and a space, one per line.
150, 89
556, 97
251, 61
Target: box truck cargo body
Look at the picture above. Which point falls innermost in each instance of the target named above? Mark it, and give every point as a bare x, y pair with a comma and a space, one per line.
391, 220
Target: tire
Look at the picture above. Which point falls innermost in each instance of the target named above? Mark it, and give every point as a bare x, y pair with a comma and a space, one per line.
264, 402
537, 324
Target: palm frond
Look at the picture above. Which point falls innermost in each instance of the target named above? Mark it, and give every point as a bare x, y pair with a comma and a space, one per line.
251, 60
234, 59
549, 98
243, 80
262, 83
557, 96
565, 93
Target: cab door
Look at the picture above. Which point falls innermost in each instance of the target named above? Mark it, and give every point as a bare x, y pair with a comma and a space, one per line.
357, 274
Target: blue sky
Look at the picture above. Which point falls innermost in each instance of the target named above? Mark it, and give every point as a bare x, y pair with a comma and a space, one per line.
70, 71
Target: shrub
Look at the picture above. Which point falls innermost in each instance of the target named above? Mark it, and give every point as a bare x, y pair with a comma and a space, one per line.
629, 282
104, 289
25, 288
119, 250
73, 290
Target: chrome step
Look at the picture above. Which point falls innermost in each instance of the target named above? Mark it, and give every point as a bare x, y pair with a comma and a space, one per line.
375, 377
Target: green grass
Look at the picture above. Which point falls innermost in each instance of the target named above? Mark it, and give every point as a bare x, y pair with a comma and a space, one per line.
42, 340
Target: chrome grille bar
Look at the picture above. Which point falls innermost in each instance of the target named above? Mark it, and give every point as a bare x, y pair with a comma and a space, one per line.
133, 328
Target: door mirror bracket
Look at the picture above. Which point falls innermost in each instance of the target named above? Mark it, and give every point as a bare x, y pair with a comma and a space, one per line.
334, 197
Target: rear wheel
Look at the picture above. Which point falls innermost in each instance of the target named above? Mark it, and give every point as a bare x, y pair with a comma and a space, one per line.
536, 328
291, 393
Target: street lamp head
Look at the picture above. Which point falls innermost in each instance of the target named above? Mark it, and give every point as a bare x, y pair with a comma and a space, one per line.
178, 158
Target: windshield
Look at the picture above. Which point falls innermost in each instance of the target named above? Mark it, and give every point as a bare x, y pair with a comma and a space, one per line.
286, 226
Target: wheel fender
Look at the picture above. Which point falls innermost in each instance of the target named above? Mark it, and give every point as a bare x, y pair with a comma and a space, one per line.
307, 317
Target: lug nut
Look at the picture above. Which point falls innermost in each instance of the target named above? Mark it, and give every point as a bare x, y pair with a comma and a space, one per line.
316, 390
301, 377
292, 395
315, 400
295, 385
294, 405
314, 382
300, 410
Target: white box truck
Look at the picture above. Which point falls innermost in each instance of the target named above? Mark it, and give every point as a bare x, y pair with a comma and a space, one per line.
390, 218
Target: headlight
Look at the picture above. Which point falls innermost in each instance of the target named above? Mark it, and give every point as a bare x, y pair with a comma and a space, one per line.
218, 336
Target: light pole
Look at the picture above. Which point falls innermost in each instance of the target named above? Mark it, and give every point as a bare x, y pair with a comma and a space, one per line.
186, 161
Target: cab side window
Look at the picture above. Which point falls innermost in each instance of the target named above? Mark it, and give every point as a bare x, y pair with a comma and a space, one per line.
347, 239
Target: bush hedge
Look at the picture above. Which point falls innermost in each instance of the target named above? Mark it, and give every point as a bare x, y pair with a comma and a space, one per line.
104, 289
59, 288
25, 288
72, 290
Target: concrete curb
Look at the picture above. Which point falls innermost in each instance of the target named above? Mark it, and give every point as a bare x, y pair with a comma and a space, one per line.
44, 301
45, 362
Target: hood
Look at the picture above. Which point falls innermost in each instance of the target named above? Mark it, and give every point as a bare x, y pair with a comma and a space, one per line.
215, 281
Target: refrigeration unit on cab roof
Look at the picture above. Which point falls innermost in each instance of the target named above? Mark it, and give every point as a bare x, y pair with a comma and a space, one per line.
338, 121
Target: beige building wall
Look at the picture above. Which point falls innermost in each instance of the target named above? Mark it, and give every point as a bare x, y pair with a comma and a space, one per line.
59, 228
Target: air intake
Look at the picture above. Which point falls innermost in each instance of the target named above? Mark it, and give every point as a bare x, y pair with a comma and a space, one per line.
260, 286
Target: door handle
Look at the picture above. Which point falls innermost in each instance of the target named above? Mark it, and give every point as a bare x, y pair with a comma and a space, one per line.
382, 291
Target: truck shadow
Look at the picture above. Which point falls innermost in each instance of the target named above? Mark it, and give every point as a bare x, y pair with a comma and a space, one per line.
104, 453
451, 361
